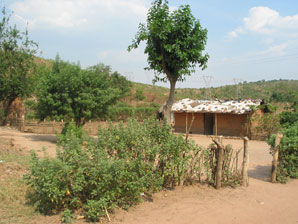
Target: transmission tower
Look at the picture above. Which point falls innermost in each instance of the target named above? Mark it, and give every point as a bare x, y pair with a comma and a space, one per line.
149, 77
129, 76
237, 82
207, 79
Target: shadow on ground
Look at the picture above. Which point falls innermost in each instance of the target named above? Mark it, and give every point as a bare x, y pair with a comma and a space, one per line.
42, 138
261, 173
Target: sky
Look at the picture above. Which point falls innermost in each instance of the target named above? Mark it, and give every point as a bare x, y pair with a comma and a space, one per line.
248, 40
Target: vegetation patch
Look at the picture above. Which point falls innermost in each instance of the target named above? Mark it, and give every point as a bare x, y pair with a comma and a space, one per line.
288, 154
13, 207
116, 171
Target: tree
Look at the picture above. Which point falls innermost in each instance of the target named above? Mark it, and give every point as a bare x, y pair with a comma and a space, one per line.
70, 92
16, 63
174, 44
140, 95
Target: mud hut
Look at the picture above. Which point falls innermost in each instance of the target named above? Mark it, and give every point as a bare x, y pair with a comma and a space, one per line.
227, 118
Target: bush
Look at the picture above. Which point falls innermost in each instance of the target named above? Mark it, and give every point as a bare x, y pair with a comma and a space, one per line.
114, 171
288, 118
125, 162
67, 216
288, 154
123, 111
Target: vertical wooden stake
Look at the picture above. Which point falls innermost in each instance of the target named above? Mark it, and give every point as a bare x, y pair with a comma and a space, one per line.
215, 123
245, 163
186, 122
219, 163
189, 128
275, 157
22, 123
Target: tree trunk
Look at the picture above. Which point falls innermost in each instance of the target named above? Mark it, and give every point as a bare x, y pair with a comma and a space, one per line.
80, 122
170, 101
7, 106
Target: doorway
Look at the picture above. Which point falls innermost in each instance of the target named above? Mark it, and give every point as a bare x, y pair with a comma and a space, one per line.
208, 123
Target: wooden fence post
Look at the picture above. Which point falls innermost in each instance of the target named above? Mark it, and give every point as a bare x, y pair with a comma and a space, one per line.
22, 123
219, 161
245, 163
275, 157
190, 126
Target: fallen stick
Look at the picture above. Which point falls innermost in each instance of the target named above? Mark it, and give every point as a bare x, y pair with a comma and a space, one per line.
107, 213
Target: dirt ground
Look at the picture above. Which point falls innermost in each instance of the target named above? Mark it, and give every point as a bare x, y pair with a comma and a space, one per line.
261, 202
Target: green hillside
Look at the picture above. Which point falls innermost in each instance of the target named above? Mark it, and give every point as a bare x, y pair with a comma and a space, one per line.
144, 100
271, 91
281, 90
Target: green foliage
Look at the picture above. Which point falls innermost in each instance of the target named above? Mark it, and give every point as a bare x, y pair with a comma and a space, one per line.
123, 111
126, 161
286, 89
288, 154
121, 83
271, 140
288, 118
175, 42
69, 92
70, 128
290, 95
268, 108
140, 95
17, 53
67, 216
17, 65
268, 124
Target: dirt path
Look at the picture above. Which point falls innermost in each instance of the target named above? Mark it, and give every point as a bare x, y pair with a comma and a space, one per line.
261, 202
28, 141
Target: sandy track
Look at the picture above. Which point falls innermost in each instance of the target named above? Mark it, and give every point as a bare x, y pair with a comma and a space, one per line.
28, 141
261, 202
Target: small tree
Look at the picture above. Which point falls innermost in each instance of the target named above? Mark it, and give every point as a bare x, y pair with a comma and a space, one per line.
16, 63
140, 95
268, 123
67, 91
174, 44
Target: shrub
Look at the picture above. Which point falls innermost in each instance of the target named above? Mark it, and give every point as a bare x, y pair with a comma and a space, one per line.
288, 118
114, 171
126, 161
67, 216
140, 95
288, 154
123, 111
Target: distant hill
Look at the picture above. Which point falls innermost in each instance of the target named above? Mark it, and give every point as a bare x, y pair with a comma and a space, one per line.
275, 90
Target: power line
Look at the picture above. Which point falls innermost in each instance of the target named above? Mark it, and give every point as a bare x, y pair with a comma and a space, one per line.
207, 79
237, 82
129, 76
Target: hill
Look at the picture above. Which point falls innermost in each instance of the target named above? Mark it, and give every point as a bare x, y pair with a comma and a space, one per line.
144, 100
271, 91
274, 90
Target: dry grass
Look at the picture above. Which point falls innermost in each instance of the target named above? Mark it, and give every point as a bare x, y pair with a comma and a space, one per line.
13, 207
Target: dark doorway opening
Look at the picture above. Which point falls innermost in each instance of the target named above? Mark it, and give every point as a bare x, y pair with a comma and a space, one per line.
208, 124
